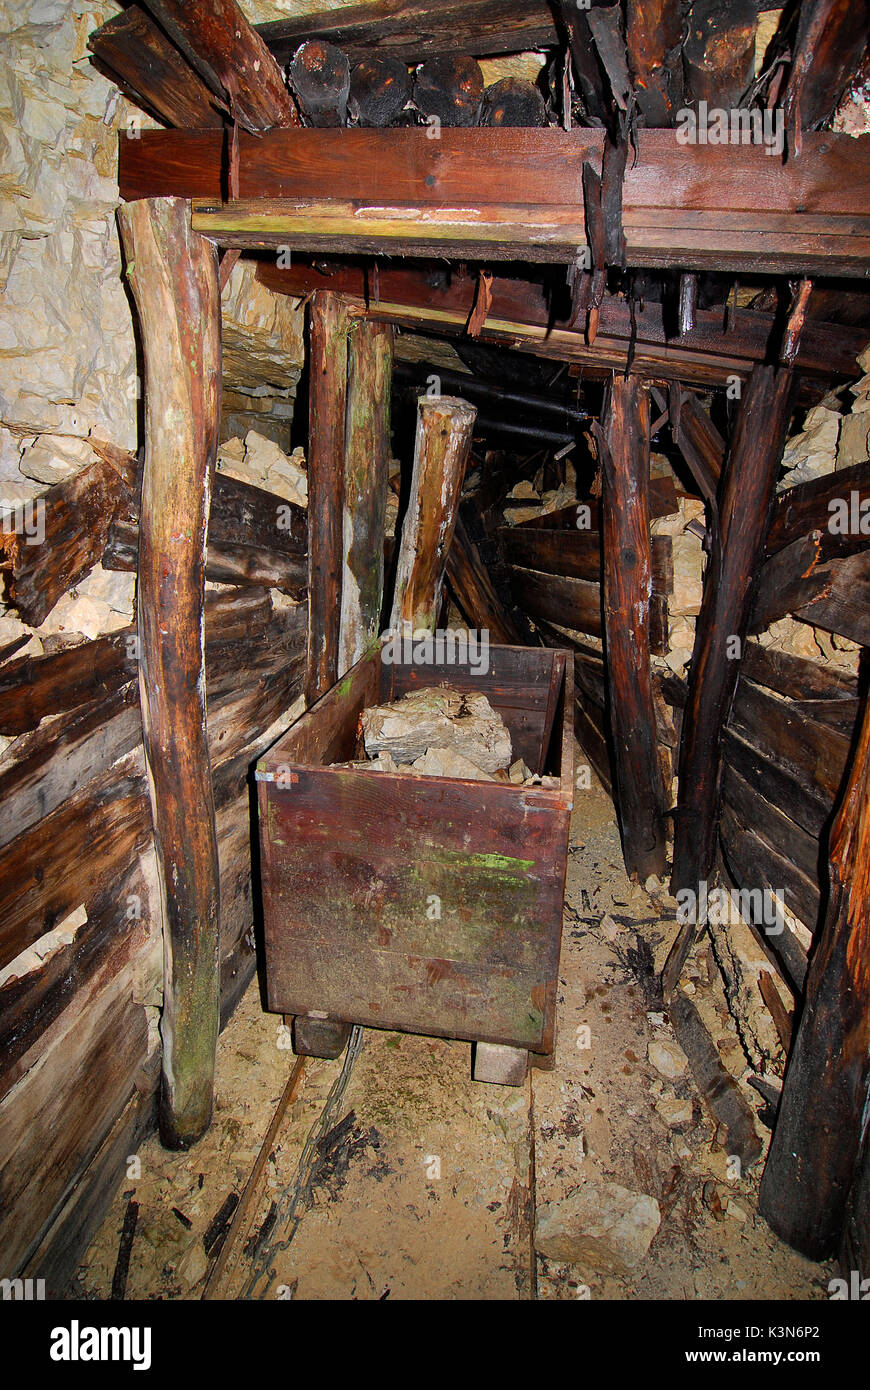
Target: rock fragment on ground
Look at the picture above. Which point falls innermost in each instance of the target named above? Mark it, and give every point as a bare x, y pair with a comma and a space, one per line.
602, 1226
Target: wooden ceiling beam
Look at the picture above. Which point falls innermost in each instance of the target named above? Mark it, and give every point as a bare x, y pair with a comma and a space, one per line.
422, 29
517, 194
427, 299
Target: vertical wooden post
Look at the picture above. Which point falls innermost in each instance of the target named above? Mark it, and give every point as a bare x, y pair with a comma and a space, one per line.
641, 797
366, 469
173, 275
746, 495
822, 1118
326, 443
444, 428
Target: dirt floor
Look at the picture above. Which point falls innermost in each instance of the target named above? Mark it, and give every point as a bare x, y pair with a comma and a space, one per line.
423, 1184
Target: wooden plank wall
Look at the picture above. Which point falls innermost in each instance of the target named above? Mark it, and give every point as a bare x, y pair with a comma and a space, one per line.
78, 1031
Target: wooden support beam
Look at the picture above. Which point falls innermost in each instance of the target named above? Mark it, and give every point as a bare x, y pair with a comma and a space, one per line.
820, 1127
719, 52
320, 74
831, 41
472, 588
421, 30
327, 409
520, 315
444, 426
231, 59
135, 52
623, 440
812, 506
654, 35
366, 469
745, 500
694, 207
173, 275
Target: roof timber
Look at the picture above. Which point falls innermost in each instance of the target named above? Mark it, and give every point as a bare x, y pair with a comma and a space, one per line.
517, 194
521, 315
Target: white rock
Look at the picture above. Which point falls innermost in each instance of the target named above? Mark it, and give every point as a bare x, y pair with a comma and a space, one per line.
667, 1057
603, 1226
446, 762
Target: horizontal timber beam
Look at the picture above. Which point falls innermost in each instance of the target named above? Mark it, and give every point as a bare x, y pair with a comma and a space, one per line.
517, 194
520, 314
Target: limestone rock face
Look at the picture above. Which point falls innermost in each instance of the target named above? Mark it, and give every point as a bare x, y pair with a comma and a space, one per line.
603, 1226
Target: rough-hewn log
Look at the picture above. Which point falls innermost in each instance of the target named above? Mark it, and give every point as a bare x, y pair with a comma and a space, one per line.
444, 425
226, 562
432, 28
49, 544
513, 101
745, 500
627, 590
578, 554
327, 408
719, 52
831, 40
653, 34
820, 1126
450, 89
173, 275
812, 506
136, 54
474, 593
380, 88
231, 59
366, 468
320, 74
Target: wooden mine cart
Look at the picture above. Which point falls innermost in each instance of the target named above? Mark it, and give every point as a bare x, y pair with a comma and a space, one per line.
430, 905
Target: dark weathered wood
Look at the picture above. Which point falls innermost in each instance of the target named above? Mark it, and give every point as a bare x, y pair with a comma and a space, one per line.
770, 823
745, 499
808, 506
173, 275
380, 88
817, 1142
231, 59
513, 101
700, 442
366, 468
695, 207
578, 554
662, 502
36, 686
718, 1088
627, 592
327, 407
830, 43
833, 594
719, 52
135, 52
590, 79
520, 312
52, 763
796, 677
572, 603
45, 875
654, 35
320, 74
814, 755
443, 444
473, 590
753, 863
450, 89
429, 27
226, 562
74, 517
